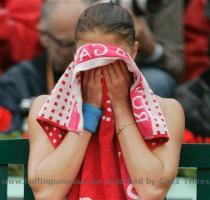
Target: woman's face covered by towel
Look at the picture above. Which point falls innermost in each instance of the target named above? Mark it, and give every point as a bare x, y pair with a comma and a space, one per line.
116, 75
107, 23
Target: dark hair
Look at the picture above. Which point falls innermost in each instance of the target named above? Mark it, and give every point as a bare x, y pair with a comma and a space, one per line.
108, 18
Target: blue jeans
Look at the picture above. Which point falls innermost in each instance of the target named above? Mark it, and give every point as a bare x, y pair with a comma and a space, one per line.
161, 82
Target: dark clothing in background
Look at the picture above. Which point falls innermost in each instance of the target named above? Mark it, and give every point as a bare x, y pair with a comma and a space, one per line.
23, 81
167, 27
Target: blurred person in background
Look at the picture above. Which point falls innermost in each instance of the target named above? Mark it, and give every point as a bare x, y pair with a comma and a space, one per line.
19, 38
197, 30
38, 76
159, 31
194, 93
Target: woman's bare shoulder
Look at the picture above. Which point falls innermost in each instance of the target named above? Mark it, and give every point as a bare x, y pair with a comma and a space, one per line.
169, 105
174, 115
36, 106
34, 129
38, 102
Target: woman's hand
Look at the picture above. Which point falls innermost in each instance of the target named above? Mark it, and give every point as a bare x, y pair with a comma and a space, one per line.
118, 81
91, 87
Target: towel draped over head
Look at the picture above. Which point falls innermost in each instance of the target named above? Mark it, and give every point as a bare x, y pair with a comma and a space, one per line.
103, 174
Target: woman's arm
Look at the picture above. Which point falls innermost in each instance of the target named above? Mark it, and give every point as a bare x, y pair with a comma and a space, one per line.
157, 168
47, 163
64, 162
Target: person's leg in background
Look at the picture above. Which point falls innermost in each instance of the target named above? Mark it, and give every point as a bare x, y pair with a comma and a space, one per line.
161, 82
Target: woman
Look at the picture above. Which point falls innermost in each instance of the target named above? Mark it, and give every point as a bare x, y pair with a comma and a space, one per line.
111, 24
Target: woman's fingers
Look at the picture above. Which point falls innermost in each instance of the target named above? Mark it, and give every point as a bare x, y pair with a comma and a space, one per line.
97, 77
107, 76
123, 67
127, 73
112, 72
92, 90
91, 75
116, 69
121, 70
84, 77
